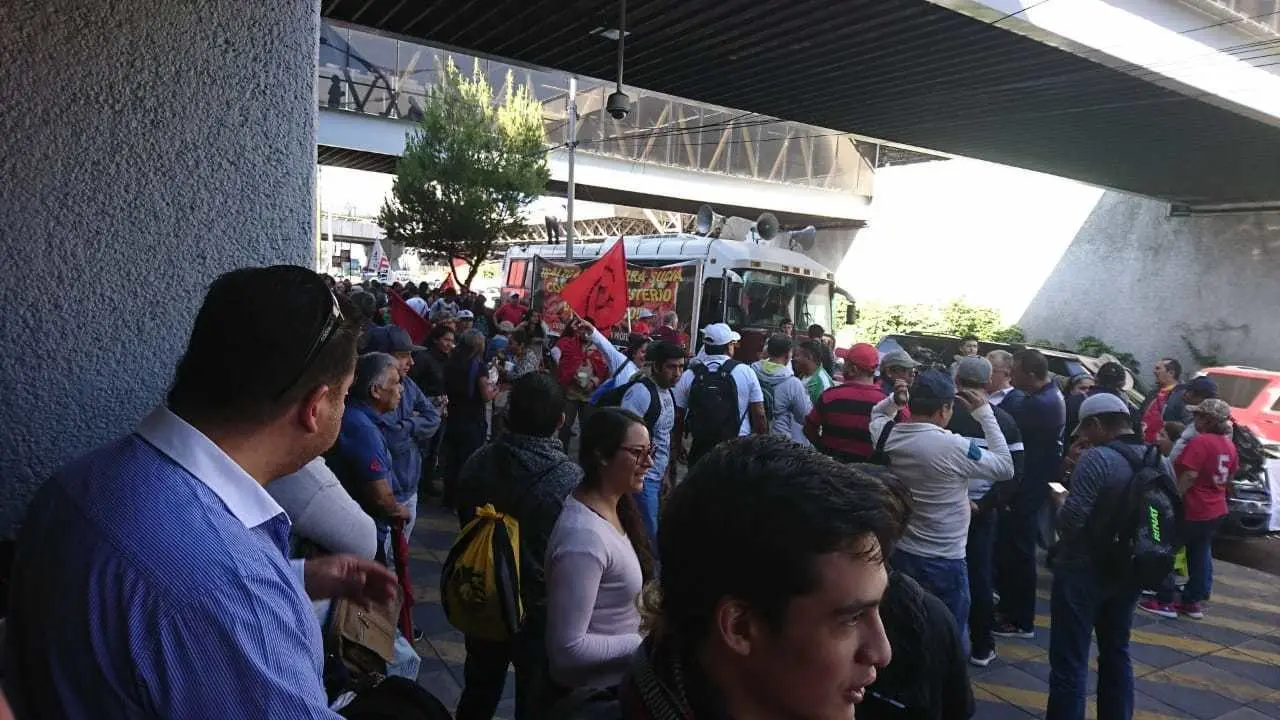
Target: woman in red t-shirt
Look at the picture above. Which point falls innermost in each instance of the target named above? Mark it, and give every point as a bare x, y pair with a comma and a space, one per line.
1204, 471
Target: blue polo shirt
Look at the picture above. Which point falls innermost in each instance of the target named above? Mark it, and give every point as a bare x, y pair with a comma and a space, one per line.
361, 454
151, 580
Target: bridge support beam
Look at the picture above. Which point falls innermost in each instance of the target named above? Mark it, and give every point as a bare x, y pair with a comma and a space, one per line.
831, 246
192, 159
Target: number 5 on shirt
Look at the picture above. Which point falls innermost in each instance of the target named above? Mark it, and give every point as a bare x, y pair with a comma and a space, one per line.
1223, 471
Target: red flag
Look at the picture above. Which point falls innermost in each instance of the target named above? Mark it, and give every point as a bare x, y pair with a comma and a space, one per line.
400, 556
600, 291
408, 319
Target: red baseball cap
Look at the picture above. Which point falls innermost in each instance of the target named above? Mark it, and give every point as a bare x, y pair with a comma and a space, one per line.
862, 355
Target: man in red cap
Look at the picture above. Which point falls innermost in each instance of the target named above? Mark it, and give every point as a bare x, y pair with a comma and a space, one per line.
840, 422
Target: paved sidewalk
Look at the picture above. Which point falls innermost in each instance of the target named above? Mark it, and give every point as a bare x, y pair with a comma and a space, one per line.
1225, 667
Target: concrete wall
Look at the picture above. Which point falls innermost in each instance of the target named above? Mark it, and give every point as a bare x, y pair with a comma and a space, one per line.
942, 230
1156, 285
1067, 260
145, 147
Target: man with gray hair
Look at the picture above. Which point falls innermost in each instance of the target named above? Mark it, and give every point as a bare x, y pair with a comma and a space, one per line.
361, 458
1000, 386
668, 332
985, 499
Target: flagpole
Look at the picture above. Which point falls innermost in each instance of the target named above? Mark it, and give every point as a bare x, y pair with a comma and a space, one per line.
573, 145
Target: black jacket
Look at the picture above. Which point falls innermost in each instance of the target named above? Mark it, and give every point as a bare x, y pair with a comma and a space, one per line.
529, 478
428, 371
928, 677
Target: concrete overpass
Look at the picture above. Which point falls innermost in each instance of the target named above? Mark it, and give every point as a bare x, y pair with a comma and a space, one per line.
669, 154
910, 72
362, 141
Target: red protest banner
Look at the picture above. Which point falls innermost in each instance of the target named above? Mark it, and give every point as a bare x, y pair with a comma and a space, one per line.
405, 316
600, 291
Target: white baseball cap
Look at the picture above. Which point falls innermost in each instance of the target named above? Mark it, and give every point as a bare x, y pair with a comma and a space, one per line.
466, 315
719, 334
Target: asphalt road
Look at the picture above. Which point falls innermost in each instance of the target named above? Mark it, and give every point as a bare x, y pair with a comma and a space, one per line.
1258, 553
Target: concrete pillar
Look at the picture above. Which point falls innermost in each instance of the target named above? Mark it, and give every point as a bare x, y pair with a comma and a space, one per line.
145, 147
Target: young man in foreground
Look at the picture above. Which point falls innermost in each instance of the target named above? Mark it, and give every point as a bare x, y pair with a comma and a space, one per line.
772, 574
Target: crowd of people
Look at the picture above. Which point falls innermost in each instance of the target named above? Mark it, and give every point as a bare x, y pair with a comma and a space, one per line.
788, 535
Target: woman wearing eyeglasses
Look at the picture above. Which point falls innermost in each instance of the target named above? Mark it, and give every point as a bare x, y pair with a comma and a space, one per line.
599, 557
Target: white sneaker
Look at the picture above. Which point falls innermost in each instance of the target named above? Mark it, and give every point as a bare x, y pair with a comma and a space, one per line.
983, 661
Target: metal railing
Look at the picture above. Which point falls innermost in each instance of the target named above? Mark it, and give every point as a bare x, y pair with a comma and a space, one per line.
366, 72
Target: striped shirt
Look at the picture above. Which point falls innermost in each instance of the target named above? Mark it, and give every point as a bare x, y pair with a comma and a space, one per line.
840, 422
151, 581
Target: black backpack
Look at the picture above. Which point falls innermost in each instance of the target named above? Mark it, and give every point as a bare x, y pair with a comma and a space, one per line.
713, 415
613, 398
1132, 530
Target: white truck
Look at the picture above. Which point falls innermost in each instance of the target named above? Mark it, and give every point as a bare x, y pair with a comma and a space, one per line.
752, 285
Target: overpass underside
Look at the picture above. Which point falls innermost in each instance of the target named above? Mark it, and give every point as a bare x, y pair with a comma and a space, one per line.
908, 72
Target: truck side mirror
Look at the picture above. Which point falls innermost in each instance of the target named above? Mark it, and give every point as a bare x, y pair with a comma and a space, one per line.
850, 314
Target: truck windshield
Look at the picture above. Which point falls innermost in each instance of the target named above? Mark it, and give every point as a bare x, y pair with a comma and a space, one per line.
770, 297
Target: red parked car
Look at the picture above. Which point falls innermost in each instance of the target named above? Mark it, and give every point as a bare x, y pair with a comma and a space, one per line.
1254, 397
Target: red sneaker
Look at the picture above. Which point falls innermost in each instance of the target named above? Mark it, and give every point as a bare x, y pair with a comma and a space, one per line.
1155, 607
1191, 610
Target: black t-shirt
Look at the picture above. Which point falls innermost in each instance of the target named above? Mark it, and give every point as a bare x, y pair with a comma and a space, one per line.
928, 677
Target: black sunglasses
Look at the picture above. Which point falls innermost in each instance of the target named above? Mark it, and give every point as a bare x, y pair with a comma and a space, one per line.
332, 322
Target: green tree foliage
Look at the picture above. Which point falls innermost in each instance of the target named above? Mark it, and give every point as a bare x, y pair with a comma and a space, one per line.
957, 317
468, 170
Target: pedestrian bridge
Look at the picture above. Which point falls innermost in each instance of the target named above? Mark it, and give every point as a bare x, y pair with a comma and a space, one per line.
1171, 99
668, 154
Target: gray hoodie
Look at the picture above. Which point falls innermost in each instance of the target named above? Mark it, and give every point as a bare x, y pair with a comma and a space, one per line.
791, 401
527, 477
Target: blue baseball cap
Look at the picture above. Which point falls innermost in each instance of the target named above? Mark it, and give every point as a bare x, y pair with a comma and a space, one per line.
390, 339
1204, 386
933, 385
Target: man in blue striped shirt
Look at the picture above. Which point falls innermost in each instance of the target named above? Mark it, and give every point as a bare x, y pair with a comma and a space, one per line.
152, 578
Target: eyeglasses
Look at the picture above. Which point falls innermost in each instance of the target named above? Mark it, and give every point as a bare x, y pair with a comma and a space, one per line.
640, 453
332, 322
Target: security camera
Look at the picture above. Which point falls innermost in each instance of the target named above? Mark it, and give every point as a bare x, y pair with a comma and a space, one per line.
618, 105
